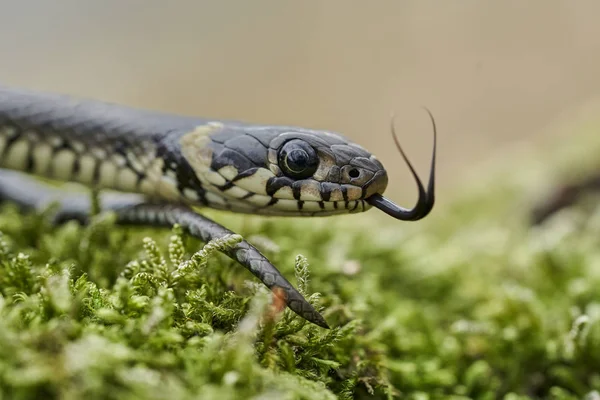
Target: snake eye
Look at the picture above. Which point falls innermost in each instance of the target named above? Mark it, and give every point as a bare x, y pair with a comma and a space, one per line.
298, 159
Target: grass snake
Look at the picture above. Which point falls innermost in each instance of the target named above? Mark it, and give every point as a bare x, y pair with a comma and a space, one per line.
166, 165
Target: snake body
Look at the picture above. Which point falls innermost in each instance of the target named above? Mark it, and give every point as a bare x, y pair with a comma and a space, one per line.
174, 163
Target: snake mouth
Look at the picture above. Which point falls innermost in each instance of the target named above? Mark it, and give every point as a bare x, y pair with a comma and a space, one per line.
426, 198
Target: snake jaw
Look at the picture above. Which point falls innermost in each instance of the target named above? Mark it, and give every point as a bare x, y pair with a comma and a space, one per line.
426, 198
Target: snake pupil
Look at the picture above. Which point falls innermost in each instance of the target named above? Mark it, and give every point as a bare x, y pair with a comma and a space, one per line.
298, 159
354, 173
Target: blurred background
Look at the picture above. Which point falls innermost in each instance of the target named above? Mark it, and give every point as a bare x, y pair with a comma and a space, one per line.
496, 75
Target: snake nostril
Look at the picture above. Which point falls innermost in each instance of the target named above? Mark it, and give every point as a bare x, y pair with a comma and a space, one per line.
354, 173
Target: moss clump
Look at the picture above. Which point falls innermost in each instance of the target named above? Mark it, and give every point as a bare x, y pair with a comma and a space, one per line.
470, 303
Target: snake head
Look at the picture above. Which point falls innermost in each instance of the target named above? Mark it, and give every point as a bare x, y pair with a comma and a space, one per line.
289, 171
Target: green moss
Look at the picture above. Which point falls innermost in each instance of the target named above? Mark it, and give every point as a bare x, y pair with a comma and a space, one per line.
469, 303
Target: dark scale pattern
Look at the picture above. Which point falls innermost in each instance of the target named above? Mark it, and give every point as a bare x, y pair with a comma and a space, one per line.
245, 174
169, 151
276, 183
345, 194
11, 140
30, 161
249, 148
297, 190
326, 189
234, 146
225, 154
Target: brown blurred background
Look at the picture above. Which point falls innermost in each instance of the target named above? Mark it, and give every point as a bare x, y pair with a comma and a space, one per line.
493, 73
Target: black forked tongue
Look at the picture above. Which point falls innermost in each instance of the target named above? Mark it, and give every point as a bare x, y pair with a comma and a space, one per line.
426, 197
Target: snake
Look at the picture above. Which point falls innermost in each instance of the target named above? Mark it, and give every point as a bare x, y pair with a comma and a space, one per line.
159, 169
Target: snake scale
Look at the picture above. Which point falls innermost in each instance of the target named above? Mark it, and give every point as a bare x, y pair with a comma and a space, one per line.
166, 165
